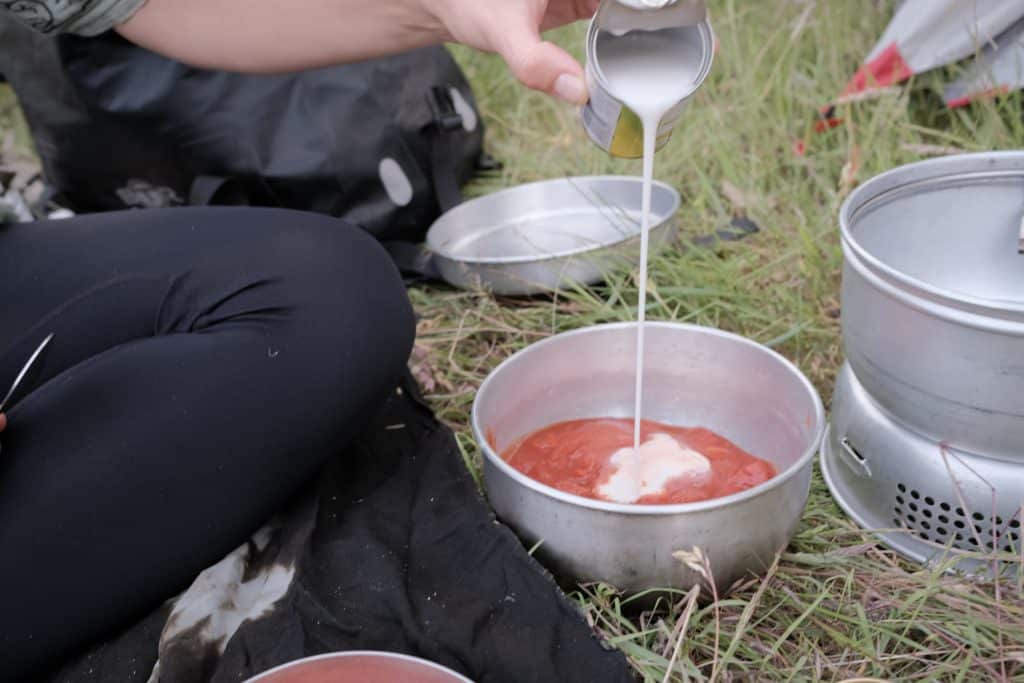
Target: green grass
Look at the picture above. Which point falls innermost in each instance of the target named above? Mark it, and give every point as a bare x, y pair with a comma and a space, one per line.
837, 606
11, 121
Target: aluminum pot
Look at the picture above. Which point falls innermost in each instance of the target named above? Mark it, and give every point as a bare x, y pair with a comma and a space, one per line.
360, 667
933, 298
693, 376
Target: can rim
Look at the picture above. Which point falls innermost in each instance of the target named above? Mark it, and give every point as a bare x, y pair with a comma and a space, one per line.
707, 35
927, 173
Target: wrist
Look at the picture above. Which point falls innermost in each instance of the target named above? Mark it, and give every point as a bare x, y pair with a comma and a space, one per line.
437, 14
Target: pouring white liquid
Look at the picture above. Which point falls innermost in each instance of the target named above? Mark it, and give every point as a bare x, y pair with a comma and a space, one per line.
650, 72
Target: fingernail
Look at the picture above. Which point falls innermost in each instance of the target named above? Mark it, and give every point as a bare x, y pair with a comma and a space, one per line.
571, 89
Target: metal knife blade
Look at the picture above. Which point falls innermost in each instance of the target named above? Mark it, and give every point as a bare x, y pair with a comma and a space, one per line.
24, 371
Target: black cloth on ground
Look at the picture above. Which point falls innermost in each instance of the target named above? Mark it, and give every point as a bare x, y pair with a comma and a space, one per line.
393, 549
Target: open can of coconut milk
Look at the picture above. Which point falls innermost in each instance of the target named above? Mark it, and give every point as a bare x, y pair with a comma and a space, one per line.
684, 30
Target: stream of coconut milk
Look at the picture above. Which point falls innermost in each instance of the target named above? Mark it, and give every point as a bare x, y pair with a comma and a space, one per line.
650, 72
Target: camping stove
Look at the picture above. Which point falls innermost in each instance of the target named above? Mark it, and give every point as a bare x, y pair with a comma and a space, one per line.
927, 439
928, 502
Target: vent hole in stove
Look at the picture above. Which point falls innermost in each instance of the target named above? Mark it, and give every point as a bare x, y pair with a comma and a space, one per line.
967, 530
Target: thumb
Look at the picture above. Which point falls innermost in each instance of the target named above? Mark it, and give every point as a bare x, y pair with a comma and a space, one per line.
544, 66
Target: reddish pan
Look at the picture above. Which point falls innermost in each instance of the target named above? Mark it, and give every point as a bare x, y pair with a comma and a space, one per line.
360, 667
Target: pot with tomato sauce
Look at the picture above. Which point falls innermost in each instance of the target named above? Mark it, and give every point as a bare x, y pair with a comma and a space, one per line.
552, 420
360, 667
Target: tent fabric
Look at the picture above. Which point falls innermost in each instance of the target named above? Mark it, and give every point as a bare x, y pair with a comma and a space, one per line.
997, 70
928, 34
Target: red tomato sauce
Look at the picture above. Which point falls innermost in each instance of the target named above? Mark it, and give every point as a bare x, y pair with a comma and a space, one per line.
575, 457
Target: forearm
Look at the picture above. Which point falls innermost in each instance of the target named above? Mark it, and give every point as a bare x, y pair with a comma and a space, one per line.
282, 35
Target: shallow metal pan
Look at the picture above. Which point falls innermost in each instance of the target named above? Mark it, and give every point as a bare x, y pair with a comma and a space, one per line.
549, 235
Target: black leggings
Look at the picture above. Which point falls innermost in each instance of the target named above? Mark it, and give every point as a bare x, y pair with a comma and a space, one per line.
205, 362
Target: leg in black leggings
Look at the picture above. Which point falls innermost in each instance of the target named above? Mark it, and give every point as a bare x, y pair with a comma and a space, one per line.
204, 364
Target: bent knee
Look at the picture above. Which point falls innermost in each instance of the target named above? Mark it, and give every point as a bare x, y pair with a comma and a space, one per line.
351, 303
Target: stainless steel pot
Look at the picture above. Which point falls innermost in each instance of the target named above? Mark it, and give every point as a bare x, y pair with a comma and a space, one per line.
933, 298
693, 376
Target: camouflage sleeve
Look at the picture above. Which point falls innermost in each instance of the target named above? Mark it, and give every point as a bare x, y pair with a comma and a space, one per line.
82, 17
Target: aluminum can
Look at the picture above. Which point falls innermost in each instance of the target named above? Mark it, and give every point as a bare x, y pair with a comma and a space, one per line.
612, 125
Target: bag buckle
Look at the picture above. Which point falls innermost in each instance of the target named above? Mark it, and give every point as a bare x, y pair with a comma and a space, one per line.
446, 118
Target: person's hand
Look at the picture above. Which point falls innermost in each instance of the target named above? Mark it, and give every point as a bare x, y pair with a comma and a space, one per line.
3, 421
512, 29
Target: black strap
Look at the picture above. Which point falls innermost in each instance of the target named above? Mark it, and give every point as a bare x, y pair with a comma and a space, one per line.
415, 261
444, 170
